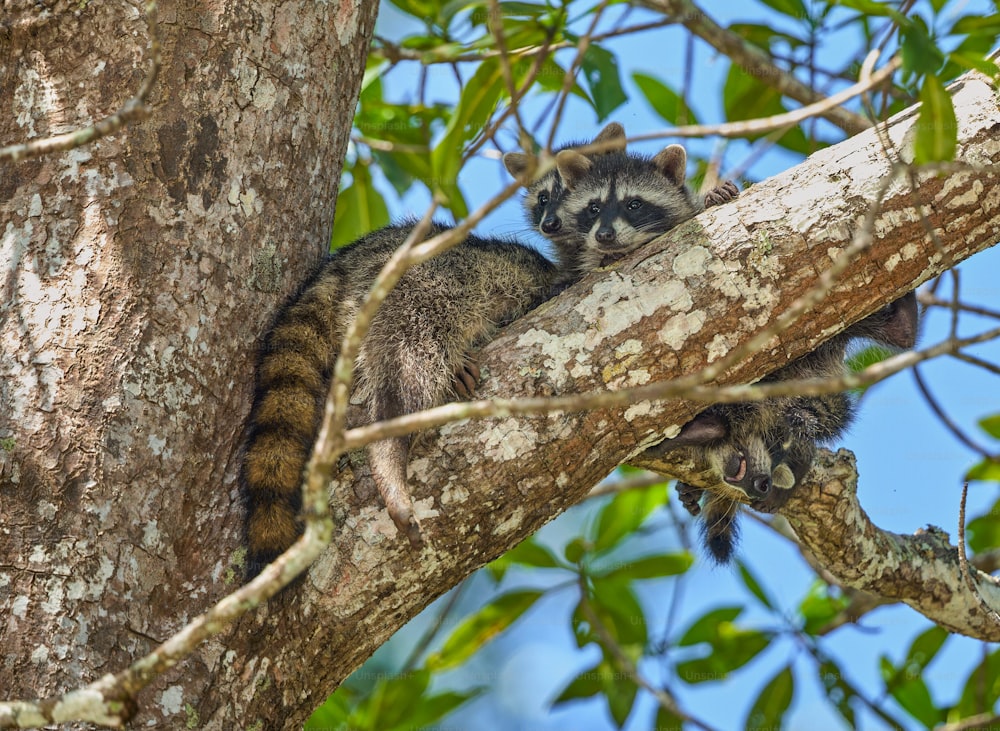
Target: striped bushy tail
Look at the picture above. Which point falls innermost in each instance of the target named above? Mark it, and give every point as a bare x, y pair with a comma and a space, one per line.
293, 376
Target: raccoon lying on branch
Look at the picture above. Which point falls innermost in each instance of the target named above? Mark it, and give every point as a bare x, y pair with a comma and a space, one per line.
762, 449
418, 350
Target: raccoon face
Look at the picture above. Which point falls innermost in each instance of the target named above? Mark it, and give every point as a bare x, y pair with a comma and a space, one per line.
541, 203
544, 196
759, 471
615, 203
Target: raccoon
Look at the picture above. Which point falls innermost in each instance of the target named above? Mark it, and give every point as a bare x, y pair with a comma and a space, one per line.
416, 355
596, 207
543, 196
763, 449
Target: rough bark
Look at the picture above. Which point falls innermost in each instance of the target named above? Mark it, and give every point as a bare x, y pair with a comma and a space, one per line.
137, 274
140, 271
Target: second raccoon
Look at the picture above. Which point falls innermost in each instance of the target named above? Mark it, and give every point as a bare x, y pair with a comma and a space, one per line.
762, 449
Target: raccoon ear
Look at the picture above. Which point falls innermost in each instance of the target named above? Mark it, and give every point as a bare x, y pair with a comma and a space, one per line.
782, 477
671, 161
896, 324
572, 166
703, 429
516, 163
611, 138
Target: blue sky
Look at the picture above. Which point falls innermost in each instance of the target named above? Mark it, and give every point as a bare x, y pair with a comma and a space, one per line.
911, 467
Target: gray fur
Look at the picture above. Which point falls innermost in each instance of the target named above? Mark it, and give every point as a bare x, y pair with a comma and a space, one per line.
762, 450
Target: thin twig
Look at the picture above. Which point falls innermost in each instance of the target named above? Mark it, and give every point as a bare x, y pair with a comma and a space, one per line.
133, 110
686, 387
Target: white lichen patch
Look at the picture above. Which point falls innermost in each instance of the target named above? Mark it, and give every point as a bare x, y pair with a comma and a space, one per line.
40, 655
265, 94
156, 444
720, 345
35, 97
512, 523
508, 440
692, 262
453, 494
643, 408
53, 602
679, 328
151, 536
19, 607
172, 700
558, 350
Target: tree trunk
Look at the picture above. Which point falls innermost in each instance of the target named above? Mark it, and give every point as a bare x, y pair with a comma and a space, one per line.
132, 267
137, 274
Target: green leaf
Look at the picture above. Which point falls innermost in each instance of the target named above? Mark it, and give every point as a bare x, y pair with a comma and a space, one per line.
600, 69
916, 700
794, 9
874, 7
982, 688
983, 531
527, 553
395, 699
991, 425
704, 629
621, 692
768, 711
432, 709
360, 209
751, 583
603, 679
665, 101
667, 721
575, 550
648, 567
986, 25
333, 714
481, 627
766, 37
478, 100
986, 471
937, 129
733, 649
747, 97
838, 692
820, 607
624, 513
925, 648
920, 54
585, 685
618, 609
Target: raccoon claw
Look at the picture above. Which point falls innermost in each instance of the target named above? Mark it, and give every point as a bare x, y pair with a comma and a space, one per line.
690, 497
721, 194
466, 379
401, 512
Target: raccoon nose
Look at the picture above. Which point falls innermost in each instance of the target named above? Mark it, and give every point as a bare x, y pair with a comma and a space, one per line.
551, 225
761, 485
605, 236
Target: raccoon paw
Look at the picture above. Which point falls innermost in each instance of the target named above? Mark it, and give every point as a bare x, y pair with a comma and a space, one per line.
690, 497
721, 194
466, 378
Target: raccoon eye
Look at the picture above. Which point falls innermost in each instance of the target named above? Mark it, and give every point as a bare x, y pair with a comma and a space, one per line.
634, 204
543, 199
594, 209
